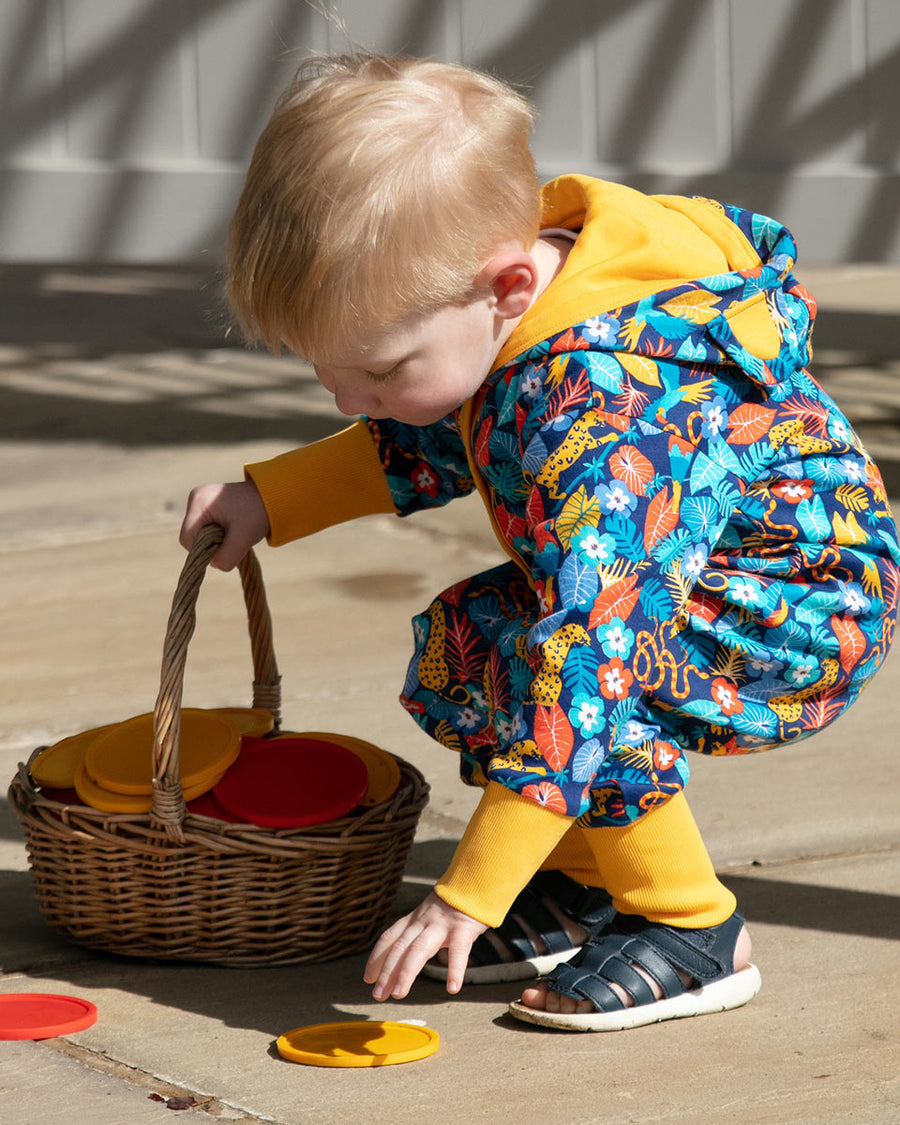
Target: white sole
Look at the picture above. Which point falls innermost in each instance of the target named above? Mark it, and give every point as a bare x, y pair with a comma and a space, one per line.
505, 971
720, 996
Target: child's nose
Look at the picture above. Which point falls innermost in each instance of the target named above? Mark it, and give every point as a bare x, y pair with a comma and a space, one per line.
354, 403
354, 400
350, 400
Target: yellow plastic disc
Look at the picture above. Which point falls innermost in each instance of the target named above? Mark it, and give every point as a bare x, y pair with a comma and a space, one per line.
107, 801
55, 767
121, 760
252, 721
358, 1043
384, 771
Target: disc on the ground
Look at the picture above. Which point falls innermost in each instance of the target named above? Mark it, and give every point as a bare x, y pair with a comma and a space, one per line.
292, 782
55, 767
383, 769
255, 721
121, 760
38, 1015
358, 1043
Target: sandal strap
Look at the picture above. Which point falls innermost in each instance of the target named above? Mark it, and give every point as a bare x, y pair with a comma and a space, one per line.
705, 954
609, 958
590, 907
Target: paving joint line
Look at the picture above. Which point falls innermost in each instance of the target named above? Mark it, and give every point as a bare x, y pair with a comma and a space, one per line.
804, 857
163, 1088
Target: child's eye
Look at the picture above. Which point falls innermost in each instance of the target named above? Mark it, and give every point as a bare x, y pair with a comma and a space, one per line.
382, 376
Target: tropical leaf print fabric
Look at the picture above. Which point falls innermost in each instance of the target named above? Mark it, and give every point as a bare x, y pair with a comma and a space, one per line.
708, 560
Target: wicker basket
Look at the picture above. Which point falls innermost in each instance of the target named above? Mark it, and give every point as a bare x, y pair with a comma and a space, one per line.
173, 885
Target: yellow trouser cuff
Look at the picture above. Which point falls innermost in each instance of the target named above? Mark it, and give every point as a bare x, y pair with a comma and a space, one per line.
659, 867
503, 845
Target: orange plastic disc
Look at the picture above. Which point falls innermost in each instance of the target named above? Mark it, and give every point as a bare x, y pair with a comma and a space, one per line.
383, 770
121, 760
106, 800
358, 1043
55, 767
253, 721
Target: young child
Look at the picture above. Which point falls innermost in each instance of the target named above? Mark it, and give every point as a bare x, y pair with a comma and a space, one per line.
701, 554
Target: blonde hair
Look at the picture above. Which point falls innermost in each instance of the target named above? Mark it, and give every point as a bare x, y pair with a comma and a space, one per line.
376, 193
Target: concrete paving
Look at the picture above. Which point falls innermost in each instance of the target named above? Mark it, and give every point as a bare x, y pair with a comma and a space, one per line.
117, 394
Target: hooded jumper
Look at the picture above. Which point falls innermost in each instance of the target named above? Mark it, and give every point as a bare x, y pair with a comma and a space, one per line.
702, 554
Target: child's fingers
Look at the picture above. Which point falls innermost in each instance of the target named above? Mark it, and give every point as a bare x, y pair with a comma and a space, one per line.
457, 961
198, 513
406, 961
398, 968
379, 953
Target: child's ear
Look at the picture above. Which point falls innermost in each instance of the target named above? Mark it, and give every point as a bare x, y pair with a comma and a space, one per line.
511, 277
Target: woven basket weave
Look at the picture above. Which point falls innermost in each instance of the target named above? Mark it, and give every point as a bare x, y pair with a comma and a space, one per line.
173, 885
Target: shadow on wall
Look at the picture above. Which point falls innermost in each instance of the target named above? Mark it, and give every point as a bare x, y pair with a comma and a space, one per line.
781, 126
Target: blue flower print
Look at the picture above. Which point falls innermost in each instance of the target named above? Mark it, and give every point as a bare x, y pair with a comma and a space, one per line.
694, 560
600, 329
504, 729
479, 699
530, 381
586, 713
615, 638
715, 417
760, 665
744, 591
853, 600
839, 429
855, 469
615, 498
592, 547
634, 733
467, 718
803, 671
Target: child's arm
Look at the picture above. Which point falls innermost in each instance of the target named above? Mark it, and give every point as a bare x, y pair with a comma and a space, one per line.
402, 951
237, 507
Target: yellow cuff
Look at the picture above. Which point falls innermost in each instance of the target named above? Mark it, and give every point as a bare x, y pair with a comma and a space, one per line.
505, 842
319, 485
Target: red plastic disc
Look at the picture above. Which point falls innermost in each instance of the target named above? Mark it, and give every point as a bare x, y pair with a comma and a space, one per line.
207, 805
61, 796
38, 1015
292, 783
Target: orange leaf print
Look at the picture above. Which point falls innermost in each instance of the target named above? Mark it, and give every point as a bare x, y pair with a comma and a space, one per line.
512, 526
482, 443
748, 423
546, 794
569, 342
851, 639
553, 734
617, 600
662, 517
632, 468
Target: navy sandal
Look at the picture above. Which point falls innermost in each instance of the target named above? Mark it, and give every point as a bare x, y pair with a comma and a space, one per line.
589, 907
706, 956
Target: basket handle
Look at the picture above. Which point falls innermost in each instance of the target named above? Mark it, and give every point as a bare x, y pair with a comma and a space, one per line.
168, 798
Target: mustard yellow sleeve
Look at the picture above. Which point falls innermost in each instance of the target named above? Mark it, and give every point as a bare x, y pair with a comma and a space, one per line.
319, 485
505, 842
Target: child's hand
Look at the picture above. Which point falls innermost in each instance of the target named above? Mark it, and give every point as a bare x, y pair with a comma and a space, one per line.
238, 508
401, 951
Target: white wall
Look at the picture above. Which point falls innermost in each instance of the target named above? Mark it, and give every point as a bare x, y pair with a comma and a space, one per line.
126, 124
